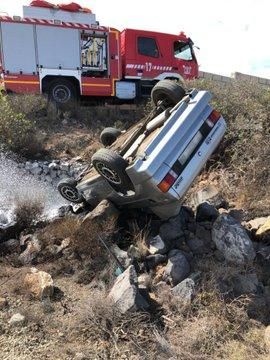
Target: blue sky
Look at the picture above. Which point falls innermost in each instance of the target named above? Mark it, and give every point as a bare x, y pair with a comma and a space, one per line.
232, 34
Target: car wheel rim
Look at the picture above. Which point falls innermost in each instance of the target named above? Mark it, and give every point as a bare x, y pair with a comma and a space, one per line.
61, 94
69, 193
108, 173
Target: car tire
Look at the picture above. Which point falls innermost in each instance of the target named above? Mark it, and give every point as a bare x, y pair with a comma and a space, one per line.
109, 135
63, 93
167, 91
68, 190
112, 167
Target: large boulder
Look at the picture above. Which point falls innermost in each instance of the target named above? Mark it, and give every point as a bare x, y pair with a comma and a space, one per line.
104, 212
177, 268
232, 240
39, 284
125, 292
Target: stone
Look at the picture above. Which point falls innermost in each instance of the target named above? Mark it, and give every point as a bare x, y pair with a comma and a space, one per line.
152, 261
197, 246
264, 252
206, 212
53, 166
3, 303
232, 240
57, 249
245, 284
264, 230
33, 248
9, 231
104, 212
134, 252
17, 320
171, 230
64, 166
10, 246
203, 233
185, 290
125, 292
254, 224
267, 337
157, 245
208, 194
35, 169
144, 281
39, 284
121, 255
3, 219
177, 268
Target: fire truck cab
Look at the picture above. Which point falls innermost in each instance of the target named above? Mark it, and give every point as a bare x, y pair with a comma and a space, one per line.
64, 52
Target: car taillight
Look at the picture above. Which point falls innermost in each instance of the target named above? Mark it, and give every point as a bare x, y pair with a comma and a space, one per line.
214, 116
168, 181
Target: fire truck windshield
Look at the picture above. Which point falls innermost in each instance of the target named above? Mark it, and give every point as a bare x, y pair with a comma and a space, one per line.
182, 50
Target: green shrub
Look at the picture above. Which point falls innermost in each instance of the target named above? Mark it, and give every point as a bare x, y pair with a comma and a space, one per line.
17, 132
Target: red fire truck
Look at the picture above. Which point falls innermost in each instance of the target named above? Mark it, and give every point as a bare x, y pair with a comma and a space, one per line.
64, 52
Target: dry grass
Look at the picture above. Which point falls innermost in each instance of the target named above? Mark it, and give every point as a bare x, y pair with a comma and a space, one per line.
242, 160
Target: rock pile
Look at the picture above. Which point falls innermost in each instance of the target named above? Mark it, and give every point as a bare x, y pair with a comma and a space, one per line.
53, 171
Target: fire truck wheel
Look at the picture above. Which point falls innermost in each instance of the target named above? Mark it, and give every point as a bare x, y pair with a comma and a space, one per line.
112, 167
167, 91
68, 190
62, 92
109, 135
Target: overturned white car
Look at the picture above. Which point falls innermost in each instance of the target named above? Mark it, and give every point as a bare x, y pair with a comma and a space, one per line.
153, 164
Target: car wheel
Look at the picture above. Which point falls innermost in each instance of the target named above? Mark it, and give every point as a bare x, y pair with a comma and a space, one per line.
167, 91
68, 190
112, 167
109, 135
62, 92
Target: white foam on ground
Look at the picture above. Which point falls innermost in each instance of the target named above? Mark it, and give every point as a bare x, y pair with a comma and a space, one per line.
16, 185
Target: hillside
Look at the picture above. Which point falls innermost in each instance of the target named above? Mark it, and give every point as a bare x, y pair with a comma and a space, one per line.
194, 287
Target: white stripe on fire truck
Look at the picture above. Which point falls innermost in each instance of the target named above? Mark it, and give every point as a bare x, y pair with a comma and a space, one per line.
154, 67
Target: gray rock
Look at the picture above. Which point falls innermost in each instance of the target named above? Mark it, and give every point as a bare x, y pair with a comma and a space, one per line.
33, 248
125, 292
134, 252
171, 230
64, 166
210, 194
152, 261
17, 320
53, 174
121, 255
177, 268
198, 246
104, 212
185, 290
157, 245
11, 245
245, 284
232, 240
206, 212
53, 166
3, 219
35, 169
